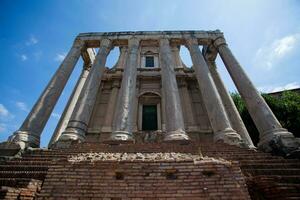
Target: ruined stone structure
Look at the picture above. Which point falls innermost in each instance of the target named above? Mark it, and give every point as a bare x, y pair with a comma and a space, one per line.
150, 127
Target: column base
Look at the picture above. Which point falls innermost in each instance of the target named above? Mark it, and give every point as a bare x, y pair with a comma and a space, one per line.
18, 143
9, 149
279, 142
228, 136
25, 139
120, 137
68, 137
176, 136
106, 129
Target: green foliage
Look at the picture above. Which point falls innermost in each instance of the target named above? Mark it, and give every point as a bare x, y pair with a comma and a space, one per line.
286, 108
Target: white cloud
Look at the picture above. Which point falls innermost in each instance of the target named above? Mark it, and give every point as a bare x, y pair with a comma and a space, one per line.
268, 55
60, 57
270, 89
3, 111
32, 41
2, 127
22, 106
55, 115
5, 115
24, 57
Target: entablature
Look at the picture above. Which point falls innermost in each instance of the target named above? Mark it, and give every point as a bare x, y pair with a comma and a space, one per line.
92, 40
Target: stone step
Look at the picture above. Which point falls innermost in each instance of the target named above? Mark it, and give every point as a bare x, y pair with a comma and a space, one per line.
253, 165
250, 158
23, 167
40, 175
42, 155
27, 162
288, 191
244, 157
232, 152
278, 171
42, 159
293, 179
8, 193
293, 187
3, 193
288, 179
268, 161
15, 182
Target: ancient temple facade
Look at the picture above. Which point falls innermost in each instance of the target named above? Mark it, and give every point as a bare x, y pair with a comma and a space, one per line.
150, 94
150, 127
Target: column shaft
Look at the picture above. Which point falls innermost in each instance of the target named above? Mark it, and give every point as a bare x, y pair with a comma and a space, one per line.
80, 117
124, 118
232, 112
174, 119
31, 129
187, 102
271, 132
213, 103
64, 120
122, 57
178, 62
111, 107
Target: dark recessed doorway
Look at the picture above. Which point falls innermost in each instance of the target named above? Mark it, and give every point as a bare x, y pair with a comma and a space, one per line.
149, 120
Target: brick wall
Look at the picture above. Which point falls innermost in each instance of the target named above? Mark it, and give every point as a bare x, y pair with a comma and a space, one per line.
101, 171
204, 179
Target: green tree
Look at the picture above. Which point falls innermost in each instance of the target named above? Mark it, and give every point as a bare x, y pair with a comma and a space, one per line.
286, 108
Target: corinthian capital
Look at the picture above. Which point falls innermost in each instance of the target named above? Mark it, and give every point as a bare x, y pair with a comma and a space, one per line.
133, 42
191, 41
164, 41
105, 42
191, 44
220, 41
78, 43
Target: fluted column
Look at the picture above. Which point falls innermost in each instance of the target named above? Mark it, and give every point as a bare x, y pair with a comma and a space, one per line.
212, 100
80, 117
272, 136
124, 117
174, 119
232, 112
64, 119
29, 133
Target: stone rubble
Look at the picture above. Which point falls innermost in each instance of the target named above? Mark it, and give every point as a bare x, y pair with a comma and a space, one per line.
101, 156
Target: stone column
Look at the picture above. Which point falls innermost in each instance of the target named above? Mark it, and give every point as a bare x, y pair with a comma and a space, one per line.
124, 117
29, 133
232, 112
272, 136
122, 57
64, 120
174, 119
187, 102
176, 55
80, 117
136, 103
111, 106
213, 103
163, 113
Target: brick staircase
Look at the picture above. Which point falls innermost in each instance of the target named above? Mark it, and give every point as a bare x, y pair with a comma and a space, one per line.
30, 177
267, 176
22, 178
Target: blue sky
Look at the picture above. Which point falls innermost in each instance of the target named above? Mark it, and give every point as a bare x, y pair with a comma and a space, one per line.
35, 36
